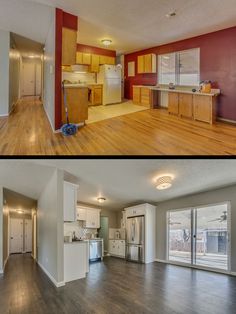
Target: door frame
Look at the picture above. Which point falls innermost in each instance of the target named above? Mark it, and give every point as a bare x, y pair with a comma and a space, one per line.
193, 231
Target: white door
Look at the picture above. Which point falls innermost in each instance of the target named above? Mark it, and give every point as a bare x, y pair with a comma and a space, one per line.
29, 77
16, 235
28, 235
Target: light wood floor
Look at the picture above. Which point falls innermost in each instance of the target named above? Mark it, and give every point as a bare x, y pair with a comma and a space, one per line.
150, 132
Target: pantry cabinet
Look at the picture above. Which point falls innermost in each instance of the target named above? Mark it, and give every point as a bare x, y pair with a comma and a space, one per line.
69, 201
69, 46
117, 248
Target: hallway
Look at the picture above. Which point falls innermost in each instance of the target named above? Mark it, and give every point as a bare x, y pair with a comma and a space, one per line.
150, 132
116, 286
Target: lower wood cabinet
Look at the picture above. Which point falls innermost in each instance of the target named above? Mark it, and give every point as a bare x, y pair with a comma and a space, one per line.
186, 105
173, 103
204, 108
142, 96
77, 102
136, 95
96, 95
117, 248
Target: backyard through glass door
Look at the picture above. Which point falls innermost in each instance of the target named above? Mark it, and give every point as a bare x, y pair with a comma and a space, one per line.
200, 236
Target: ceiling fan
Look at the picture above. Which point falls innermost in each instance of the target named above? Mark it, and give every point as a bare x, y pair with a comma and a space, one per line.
172, 223
222, 218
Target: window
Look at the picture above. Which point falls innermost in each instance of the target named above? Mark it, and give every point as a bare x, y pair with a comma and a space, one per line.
180, 68
200, 236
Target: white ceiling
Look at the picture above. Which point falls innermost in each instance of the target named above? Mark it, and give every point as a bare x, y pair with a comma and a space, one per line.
138, 24
125, 182
16, 201
28, 19
27, 46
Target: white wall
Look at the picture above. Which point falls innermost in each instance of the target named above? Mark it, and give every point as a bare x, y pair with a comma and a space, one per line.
49, 74
211, 197
14, 78
50, 228
4, 72
1, 229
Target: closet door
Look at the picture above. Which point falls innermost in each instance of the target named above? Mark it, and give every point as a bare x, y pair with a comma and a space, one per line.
16, 235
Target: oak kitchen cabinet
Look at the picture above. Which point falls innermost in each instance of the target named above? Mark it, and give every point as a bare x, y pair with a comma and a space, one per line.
186, 105
107, 60
93, 60
117, 248
142, 96
96, 94
204, 108
69, 46
94, 68
147, 63
69, 201
77, 102
136, 94
173, 103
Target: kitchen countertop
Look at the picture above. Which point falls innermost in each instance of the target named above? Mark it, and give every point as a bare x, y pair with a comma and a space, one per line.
77, 242
214, 92
81, 85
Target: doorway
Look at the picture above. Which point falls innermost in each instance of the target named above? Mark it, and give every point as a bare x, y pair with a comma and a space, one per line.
200, 236
16, 235
104, 231
31, 77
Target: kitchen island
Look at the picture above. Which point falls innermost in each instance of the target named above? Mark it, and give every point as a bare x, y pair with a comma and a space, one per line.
77, 102
76, 260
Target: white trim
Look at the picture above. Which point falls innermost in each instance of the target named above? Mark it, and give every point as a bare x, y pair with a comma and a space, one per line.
57, 284
5, 262
4, 115
214, 270
226, 120
1, 271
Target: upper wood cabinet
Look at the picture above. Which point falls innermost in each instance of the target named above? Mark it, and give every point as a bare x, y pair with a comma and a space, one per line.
94, 64
173, 103
69, 201
69, 46
186, 105
147, 63
83, 58
107, 60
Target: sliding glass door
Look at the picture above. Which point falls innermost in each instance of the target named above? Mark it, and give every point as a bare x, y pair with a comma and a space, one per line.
200, 236
180, 230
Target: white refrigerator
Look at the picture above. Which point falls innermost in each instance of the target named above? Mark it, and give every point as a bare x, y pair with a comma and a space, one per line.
110, 77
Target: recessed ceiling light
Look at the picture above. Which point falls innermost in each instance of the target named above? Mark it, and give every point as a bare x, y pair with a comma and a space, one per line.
164, 182
171, 14
106, 42
101, 199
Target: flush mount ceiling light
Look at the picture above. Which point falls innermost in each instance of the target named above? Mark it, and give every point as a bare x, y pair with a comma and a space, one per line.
101, 200
164, 182
171, 14
106, 42
19, 211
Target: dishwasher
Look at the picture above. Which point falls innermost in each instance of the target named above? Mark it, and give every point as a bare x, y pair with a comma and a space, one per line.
95, 250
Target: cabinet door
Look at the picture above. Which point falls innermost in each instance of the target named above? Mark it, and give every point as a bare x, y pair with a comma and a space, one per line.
79, 58
145, 97
70, 201
81, 213
97, 96
186, 105
173, 103
69, 46
94, 64
148, 63
93, 218
111, 60
136, 95
86, 58
202, 108
121, 248
141, 64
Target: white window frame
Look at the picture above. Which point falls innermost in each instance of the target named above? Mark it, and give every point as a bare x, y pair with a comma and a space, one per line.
193, 211
177, 69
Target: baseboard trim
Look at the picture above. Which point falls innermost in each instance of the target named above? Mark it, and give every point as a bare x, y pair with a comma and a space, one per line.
224, 272
227, 121
4, 115
5, 263
57, 284
1, 271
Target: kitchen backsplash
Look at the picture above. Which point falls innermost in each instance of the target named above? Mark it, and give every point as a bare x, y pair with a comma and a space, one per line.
80, 231
82, 77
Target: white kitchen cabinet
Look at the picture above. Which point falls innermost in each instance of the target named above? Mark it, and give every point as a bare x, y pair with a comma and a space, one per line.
92, 218
117, 248
81, 213
69, 201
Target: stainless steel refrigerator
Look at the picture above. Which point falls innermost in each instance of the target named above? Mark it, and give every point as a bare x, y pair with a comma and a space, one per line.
135, 230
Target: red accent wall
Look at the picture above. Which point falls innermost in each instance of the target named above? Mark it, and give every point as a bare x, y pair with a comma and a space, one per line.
218, 64
96, 50
63, 19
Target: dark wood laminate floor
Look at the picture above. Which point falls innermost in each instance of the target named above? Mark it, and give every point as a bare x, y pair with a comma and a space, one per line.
117, 286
